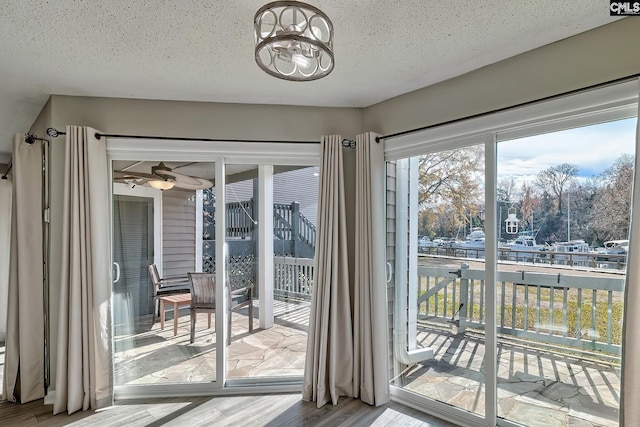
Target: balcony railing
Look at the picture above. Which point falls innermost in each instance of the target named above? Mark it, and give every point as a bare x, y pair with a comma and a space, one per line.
573, 259
293, 277
577, 311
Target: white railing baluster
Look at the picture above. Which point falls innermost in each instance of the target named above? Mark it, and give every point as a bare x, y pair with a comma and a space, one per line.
552, 292
565, 326
514, 304
609, 315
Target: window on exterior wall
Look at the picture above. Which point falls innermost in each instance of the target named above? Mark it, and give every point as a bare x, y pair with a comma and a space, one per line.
562, 271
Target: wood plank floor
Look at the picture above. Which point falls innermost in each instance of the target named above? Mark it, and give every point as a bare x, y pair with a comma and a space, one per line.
260, 410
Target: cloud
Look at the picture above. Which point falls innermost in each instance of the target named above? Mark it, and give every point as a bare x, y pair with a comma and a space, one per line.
592, 148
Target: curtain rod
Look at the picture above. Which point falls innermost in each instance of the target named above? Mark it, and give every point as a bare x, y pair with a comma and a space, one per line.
54, 133
522, 104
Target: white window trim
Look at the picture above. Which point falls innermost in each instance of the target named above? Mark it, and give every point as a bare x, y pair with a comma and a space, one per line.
206, 151
595, 106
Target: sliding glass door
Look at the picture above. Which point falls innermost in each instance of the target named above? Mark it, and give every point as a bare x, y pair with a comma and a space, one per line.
564, 213
251, 231
437, 200
507, 248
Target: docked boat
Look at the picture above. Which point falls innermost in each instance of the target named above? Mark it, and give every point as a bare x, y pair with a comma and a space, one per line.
613, 251
474, 240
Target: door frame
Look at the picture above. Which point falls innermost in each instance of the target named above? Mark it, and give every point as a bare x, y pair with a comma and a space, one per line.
222, 154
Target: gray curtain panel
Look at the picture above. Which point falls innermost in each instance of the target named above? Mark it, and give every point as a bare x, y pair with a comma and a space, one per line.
630, 376
371, 381
84, 339
24, 358
328, 370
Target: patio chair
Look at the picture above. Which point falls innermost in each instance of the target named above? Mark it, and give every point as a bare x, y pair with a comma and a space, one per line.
166, 286
203, 299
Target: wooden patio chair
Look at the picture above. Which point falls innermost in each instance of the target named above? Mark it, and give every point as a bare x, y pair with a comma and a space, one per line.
166, 286
203, 299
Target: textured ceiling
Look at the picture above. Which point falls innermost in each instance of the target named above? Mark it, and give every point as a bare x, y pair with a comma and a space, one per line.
202, 50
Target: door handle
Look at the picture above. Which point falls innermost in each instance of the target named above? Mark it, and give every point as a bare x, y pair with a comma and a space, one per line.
117, 272
389, 270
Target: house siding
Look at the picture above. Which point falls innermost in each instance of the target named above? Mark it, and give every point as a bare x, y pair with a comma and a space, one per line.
178, 233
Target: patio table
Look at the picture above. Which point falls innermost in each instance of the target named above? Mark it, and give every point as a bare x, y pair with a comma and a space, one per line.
177, 300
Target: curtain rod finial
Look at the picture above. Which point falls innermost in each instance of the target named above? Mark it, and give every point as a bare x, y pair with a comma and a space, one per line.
53, 132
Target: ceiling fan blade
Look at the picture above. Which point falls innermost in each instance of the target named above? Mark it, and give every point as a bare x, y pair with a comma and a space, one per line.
179, 178
133, 175
203, 184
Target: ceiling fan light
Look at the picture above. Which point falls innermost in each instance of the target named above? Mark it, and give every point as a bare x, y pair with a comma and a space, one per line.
160, 184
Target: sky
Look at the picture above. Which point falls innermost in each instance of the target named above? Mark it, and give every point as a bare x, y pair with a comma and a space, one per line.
592, 148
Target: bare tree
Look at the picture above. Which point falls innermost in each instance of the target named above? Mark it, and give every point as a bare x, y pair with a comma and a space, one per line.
528, 204
506, 190
555, 179
612, 203
454, 178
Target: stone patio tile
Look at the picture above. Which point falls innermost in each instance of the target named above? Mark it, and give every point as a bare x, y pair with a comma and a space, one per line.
469, 379
505, 405
424, 388
558, 391
517, 389
577, 422
536, 416
448, 391
470, 400
535, 398
585, 408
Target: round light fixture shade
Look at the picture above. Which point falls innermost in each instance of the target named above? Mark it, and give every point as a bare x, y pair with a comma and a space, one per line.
160, 184
294, 41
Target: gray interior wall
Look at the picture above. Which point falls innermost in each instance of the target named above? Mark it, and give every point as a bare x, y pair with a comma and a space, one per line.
593, 57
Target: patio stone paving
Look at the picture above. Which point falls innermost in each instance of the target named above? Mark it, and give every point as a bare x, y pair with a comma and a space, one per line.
153, 356
535, 387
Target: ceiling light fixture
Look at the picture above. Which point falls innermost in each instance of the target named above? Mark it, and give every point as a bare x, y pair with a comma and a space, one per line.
160, 184
294, 41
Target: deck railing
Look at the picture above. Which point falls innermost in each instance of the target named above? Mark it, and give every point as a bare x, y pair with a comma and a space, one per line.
293, 277
573, 259
577, 311
290, 224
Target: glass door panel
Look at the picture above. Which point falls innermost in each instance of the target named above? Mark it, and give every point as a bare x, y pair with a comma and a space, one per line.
271, 220
435, 254
563, 212
295, 209
246, 351
161, 229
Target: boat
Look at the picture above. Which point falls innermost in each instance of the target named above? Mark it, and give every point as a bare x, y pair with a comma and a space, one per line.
613, 251
523, 248
571, 252
525, 243
474, 240
616, 247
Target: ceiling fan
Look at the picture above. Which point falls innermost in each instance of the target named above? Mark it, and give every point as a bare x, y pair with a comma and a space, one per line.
162, 177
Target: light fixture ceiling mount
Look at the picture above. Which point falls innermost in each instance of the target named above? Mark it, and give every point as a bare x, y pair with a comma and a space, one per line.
294, 41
